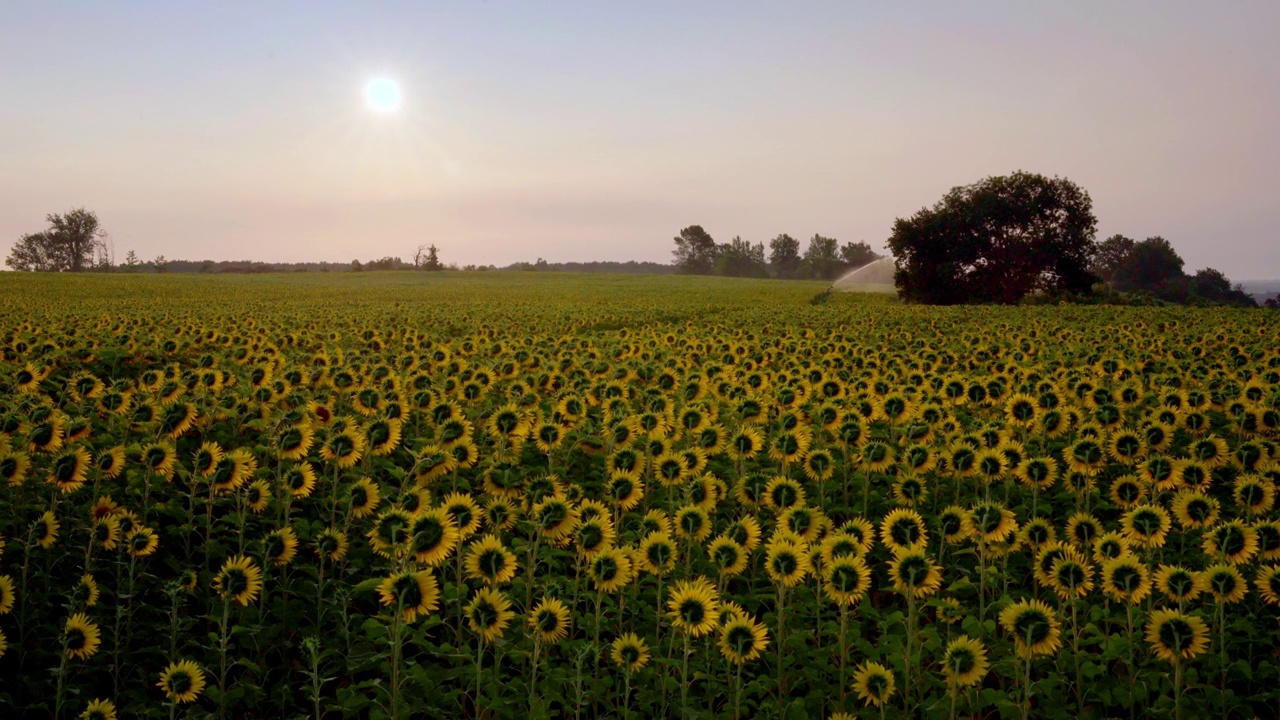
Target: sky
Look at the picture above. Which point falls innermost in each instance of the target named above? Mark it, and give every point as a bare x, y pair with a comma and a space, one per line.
578, 131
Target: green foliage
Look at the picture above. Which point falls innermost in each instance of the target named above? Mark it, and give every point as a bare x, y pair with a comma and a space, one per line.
997, 241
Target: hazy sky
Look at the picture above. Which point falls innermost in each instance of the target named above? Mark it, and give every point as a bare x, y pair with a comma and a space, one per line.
596, 130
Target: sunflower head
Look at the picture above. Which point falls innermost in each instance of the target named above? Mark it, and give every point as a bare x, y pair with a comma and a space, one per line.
965, 661
1176, 636
182, 681
1034, 627
630, 652
550, 620
874, 683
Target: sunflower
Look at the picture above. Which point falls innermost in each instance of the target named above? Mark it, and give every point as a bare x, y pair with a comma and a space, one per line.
1037, 532
611, 570
240, 579
903, 530
1125, 578
955, 524
1224, 583
1268, 532
141, 541
692, 523
914, 573
331, 544
182, 681
81, 637
299, 479
787, 560
389, 536
840, 543
106, 532
626, 491
1177, 583
873, 683
6, 594
1176, 636
257, 496
86, 590
206, 459
1146, 526
1127, 491
488, 613
1037, 472
1232, 542
383, 437
728, 556
805, 522
280, 546
657, 553
630, 652
965, 661
846, 579
875, 456
1254, 494
413, 592
99, 709
1194, 510
489, 561
819, 465
4, 643
746, 443
1193, 475
14, 467
294, 442
46, 533
550, 620
235, 468
993, 523
161, 459
345, 447
1034, 627
555, 517
742, 639
363, 498
781, 493
1267, 581
745, 531
1071, 576
69, 469
1082, 529
693, 606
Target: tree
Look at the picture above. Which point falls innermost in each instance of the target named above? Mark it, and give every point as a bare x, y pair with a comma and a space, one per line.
695, 251
1211, 285
996, 241
739, 258
1110, 255
1154, 266
160, 264
131, 261
855, 255
822, 257
784, 256
67, 246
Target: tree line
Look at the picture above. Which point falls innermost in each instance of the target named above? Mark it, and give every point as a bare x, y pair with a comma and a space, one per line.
1007, 239
697, 253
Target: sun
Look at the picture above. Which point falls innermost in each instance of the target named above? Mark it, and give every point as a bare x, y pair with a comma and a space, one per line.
382, 95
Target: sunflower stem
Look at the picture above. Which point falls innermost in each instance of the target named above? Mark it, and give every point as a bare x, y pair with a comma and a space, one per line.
222, 658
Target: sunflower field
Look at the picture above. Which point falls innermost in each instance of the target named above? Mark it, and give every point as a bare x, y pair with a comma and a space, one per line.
508, 495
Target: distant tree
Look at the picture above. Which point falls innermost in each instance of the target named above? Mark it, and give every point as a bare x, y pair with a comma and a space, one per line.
67, 246
131, 261
855, 255
739, 258
1155, 267
1214, 287
432, 261
356, 266
160, 264
784, 256
822, 258
996, 241
695, 251
1272, 303
1110, 255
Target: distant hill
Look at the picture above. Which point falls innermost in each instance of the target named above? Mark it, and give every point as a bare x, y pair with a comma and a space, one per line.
1261, 290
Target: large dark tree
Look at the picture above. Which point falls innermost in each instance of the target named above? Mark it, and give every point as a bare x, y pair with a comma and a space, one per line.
67, 245
1110, 255
1154, 266
695, 251
784, 256
996, 241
